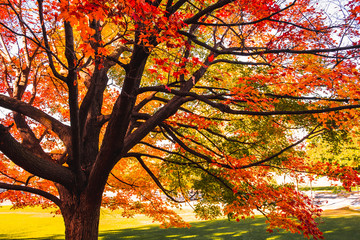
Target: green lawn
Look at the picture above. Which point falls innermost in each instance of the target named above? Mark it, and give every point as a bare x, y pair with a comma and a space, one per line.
35, 223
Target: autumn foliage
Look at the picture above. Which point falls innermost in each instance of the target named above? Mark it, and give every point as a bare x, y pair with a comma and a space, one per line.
142, 105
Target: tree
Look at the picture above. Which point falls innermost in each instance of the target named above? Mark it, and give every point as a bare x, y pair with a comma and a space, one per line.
341, 147
202, 96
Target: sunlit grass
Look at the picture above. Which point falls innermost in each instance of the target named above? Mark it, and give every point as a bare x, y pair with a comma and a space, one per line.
30, 222
39, 224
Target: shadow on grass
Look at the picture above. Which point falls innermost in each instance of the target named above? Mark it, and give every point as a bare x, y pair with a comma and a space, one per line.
334, 228
219, 229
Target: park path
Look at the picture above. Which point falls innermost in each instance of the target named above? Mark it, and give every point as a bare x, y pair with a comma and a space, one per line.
328, 200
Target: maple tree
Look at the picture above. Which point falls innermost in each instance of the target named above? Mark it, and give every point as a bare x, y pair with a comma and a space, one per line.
200, 99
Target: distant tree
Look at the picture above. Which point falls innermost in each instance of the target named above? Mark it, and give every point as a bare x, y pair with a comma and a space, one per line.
189, 98
338, 147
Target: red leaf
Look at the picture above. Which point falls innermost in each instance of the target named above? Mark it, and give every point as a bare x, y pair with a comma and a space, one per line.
211, 58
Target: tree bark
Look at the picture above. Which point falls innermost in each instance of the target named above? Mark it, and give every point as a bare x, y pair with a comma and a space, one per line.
81, 216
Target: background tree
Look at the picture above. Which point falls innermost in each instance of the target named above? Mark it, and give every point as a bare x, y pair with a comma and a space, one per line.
199, 97
340, 147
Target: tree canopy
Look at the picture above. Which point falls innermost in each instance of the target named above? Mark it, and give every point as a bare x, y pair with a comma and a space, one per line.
196, 99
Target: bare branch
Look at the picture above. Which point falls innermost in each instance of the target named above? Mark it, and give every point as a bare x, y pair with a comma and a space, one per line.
227, 109
280, 152
240, 62
184, 146
154, 178
12, 178
243, 50
167, 151
310, 98
46, 42
129, 184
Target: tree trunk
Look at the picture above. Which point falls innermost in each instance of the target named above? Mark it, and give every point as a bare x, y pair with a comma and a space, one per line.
81, 216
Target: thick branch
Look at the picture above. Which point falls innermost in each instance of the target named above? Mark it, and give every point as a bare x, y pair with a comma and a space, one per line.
165, 112
49, 122
113, 142
171, 9
40, 167
29, 139
207, 10
219, 96
226, 109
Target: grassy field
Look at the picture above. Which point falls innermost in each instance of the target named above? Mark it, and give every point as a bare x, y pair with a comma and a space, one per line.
38, 224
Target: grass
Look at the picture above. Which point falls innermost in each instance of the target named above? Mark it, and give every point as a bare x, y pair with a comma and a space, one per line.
38, 224
29, 222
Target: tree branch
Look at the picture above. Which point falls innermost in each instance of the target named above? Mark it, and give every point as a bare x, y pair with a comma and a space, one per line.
168, 152
196, 142
278, 153
12, 178
207, 10
40, 167
49, 122
171, 9
240, 62
39, 192
129, 184
184, 146
227, 109
241, 51
46, 42
310, 98
154, 178
165, 112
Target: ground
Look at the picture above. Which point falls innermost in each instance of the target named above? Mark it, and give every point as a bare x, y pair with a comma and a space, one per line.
328, 200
